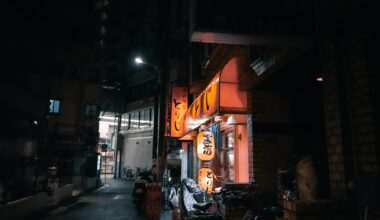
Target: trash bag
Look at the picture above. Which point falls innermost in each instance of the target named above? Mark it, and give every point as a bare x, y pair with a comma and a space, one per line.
306, 180
173, 197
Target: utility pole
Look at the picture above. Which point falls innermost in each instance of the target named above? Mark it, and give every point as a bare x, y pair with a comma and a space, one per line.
117, 148
105, 169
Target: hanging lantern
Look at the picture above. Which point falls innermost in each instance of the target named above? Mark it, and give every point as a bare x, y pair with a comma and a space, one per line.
206, 145
205, 179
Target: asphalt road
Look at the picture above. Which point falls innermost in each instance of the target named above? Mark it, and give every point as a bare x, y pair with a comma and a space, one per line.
113, 201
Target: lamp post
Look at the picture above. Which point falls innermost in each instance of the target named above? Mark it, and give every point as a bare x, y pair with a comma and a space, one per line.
159, 116
140, 61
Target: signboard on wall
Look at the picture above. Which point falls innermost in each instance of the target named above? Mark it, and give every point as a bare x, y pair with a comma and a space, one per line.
178, 110
204, 107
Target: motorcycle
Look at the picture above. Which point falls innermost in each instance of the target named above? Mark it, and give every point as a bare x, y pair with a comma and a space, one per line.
139, 189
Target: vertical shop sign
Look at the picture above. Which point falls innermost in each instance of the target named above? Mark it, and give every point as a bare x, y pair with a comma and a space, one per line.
178, 110
205, 145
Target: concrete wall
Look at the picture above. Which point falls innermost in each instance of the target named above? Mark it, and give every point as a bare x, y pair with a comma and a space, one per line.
137, 152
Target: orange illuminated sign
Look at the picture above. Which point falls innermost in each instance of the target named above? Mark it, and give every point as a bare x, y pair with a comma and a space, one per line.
178, 110
204, 107
222, 95
205, 179
205, 145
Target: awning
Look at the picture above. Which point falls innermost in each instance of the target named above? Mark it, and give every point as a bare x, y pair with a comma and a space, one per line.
221, 96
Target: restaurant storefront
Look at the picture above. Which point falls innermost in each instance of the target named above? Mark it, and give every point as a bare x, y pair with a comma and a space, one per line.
214, 132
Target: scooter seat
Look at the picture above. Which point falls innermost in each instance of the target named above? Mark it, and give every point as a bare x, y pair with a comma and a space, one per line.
202, 206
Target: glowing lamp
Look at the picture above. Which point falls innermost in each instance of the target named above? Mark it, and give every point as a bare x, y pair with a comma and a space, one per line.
206, 145
205, 179
138, 60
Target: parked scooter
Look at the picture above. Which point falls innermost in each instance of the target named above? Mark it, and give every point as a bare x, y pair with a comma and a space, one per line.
195, 203
139, 190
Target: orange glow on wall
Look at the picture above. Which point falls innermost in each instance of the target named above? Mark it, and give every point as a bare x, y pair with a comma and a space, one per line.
241, 152
178, 110
205, 179
205, 145
232, 100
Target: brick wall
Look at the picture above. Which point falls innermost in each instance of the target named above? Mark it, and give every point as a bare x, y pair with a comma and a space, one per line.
351, 112
270, 144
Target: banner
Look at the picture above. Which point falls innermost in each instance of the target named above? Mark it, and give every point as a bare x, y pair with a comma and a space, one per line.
178, 110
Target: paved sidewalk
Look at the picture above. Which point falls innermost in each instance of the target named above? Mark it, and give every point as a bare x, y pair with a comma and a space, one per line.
110, 202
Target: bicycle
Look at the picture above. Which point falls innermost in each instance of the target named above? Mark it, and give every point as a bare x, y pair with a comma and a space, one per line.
128, 172
139, 171
249, 199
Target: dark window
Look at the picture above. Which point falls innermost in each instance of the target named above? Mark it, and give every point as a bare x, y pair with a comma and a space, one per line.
54, 106
91, 111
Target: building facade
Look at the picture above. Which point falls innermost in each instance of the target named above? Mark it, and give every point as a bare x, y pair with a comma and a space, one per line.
308, 73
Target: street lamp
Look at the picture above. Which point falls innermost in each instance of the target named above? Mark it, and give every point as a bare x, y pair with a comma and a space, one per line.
159, 115
138, 60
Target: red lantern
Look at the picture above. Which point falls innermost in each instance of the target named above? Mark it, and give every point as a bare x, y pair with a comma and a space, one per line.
206, 145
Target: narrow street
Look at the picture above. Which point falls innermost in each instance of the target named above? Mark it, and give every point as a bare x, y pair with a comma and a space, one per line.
270, 107
111, 202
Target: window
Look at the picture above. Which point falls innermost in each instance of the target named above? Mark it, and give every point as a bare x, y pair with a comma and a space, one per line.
227, 156
125, 121
91, 111
54, 106
138, 119
145, 118
134, 120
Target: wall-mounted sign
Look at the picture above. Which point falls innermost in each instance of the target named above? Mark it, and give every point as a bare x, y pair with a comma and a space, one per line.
205, 145
222, 95
178, 110
204, 107
205, 179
